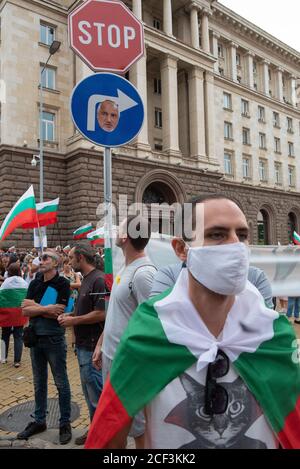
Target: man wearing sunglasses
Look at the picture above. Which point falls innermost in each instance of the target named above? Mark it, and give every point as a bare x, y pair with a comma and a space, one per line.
47, 297
214, 367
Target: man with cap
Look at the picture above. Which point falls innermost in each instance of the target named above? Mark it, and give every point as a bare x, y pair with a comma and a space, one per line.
47, 297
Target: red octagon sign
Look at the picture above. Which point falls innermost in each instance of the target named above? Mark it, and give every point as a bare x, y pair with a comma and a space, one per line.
106, 35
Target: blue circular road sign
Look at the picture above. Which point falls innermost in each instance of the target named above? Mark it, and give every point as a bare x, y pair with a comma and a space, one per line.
107, 109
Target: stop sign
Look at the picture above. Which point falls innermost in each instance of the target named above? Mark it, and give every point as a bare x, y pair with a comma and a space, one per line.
106, 35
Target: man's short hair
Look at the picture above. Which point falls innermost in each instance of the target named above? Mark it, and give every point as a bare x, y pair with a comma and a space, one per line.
186, 221
86, 251
14, 270
138, 230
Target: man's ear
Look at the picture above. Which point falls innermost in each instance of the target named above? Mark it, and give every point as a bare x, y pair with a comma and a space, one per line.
180, 248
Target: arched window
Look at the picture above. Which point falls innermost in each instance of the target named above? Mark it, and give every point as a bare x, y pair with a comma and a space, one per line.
263, 237
292, 225
160, 216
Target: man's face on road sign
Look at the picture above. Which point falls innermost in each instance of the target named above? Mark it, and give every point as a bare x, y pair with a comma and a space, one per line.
108, 116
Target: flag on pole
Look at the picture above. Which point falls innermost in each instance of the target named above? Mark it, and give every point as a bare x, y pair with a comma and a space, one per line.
296, 238
96, 237
47, 214
83, 231
149, 358
23, 212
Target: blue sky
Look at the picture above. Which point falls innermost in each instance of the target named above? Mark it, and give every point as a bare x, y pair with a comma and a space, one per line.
281, 19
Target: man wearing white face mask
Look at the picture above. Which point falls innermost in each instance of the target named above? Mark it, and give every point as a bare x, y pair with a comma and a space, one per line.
211, 365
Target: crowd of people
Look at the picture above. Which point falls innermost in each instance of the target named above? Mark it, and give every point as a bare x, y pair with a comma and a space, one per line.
171, 358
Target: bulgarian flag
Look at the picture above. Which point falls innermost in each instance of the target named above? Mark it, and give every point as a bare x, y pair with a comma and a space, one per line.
296, 238
47, 214
12, 293
23, 212
263, 352
83, 231
96, 237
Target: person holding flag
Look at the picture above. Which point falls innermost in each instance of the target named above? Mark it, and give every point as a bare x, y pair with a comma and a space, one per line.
209, 363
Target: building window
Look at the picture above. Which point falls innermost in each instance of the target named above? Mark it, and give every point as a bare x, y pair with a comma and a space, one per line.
291, 173
289, 122
255, 86
254, 67
261, 114
220, 51
246, 136
278, 173
47, 34
158, 118
157, 86
263, 225
245, 108
239, 79
270, 74
227, 104
262, 141
238, 60
156, 23
246, 168
48, 77
277, 145
291, 149
221, 71
48, 121
227, 130
276, 120
228, 169
262, 170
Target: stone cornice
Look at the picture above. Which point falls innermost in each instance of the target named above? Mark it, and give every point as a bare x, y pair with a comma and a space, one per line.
245, 28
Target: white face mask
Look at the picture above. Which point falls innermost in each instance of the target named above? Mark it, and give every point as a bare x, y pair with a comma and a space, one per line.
222, 269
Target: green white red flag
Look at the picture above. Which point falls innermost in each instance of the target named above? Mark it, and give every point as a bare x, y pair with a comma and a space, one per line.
12, 293
96, 237
46, 214
296, 238
152, 353
23, 212
83, 231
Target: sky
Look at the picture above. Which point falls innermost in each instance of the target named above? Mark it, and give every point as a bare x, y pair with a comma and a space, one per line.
277, 17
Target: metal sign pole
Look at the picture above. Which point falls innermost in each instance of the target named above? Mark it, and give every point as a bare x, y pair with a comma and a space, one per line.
108, 262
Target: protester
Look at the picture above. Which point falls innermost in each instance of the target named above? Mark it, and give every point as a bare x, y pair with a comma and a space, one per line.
209, 363
88, 323
293, 309
12, 293
131, 287
74, 279
47, 297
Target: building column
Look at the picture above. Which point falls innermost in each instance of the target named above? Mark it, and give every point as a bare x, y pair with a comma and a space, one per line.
194, 26
137, 9
138, 77
205, 31
168, 21
293, 92
233, 66
265, 77
169, 91
209, 112
249, 69
196, 114
216, 38
279, 84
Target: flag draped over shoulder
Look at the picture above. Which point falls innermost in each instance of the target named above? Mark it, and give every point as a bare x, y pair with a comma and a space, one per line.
12, 292
150, 356
23, 212
46, 214
83, 231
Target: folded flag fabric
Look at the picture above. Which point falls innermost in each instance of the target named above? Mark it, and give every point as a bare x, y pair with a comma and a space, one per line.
83, 231
96, 237
23, 212
46, 214
149, 357
12, 292
296, 238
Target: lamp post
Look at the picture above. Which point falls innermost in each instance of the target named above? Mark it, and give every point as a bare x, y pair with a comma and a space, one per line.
52, 50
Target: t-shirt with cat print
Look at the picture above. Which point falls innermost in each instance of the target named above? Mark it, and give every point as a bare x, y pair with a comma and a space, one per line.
176, 417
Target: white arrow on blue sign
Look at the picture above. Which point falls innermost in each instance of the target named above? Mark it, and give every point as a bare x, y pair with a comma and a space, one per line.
107, 109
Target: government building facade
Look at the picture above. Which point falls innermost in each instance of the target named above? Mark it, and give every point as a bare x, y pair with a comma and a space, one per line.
222, 115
